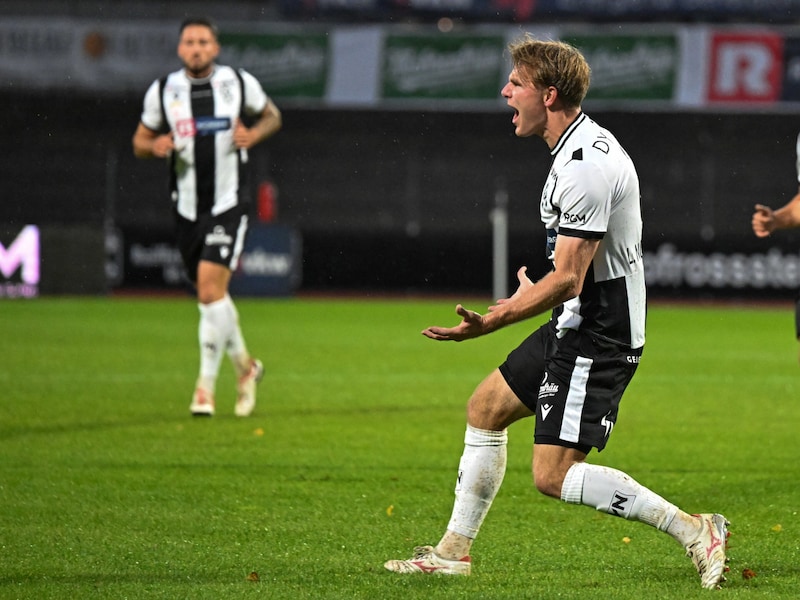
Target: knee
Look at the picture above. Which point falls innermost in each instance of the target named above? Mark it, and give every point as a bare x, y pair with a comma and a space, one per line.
209, 292
207, 296
548, 482
480, 413
493, 406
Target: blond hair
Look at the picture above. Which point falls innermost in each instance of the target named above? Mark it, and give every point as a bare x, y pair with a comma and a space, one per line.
550, 63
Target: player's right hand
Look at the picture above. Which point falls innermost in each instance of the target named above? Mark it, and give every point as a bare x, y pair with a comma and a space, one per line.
163, 145
763, 221
471, 326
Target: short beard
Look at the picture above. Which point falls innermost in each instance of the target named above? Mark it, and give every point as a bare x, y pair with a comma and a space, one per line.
204, 71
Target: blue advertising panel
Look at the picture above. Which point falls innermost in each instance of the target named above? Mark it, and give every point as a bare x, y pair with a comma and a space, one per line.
271, 263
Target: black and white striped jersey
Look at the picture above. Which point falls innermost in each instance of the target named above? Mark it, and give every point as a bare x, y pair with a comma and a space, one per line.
202, 113
592, 191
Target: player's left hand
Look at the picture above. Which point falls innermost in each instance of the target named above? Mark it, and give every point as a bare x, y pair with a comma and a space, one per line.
524, 284
471, 326
242, 136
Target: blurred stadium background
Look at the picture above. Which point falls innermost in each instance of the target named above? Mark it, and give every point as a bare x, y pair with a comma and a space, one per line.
396, 147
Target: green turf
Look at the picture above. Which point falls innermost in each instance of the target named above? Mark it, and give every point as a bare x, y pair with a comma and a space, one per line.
108, 489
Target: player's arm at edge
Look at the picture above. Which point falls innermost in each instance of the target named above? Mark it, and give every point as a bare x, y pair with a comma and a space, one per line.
788, 216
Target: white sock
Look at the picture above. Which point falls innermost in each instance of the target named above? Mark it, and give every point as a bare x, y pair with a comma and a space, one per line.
616, 493
236, 345
480, 473
217, 323
237, 349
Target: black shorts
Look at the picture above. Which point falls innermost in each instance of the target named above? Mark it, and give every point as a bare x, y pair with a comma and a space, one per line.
218, 239
573, 384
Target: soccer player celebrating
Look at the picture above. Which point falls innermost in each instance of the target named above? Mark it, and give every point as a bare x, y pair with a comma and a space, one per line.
194, 118
570, 373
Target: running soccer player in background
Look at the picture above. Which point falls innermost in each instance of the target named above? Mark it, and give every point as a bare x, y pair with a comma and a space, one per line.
765, 221
194, 118
570, 373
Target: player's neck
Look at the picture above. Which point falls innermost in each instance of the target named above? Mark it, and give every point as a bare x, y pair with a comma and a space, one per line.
557, 123
201, 75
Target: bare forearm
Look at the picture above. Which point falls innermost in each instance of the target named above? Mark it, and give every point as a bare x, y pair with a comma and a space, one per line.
265, 128
788, 216
550, 291
528, 301
149, 144
267, 125
143, 147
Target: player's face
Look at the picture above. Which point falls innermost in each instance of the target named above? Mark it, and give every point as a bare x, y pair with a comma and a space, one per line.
530, 114
198, 48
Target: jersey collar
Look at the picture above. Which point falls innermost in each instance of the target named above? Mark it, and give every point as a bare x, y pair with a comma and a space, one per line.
567, 133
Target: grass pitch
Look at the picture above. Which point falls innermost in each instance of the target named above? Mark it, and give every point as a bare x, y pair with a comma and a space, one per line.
109, 489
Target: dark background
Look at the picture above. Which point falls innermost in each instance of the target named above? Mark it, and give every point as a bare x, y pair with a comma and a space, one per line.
401, 200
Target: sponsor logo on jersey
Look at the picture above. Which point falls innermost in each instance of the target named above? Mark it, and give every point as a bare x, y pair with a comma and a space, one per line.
202, 126
211, 125
185, 128
572, 218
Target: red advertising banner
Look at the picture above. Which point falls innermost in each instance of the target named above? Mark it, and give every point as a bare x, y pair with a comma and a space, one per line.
745, 67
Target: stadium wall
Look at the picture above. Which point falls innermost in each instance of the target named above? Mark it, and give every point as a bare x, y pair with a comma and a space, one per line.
390, 186
401, 200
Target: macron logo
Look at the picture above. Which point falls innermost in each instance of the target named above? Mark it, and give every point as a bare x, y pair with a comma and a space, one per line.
546, 408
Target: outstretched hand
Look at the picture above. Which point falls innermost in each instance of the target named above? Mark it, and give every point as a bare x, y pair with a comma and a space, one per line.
474, 324
471, 326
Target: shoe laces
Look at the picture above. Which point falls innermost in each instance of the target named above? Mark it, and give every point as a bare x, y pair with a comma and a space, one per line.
423, 552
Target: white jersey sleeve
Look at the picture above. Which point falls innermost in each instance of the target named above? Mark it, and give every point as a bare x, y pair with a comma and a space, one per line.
584, 200
152, 115
254, 96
